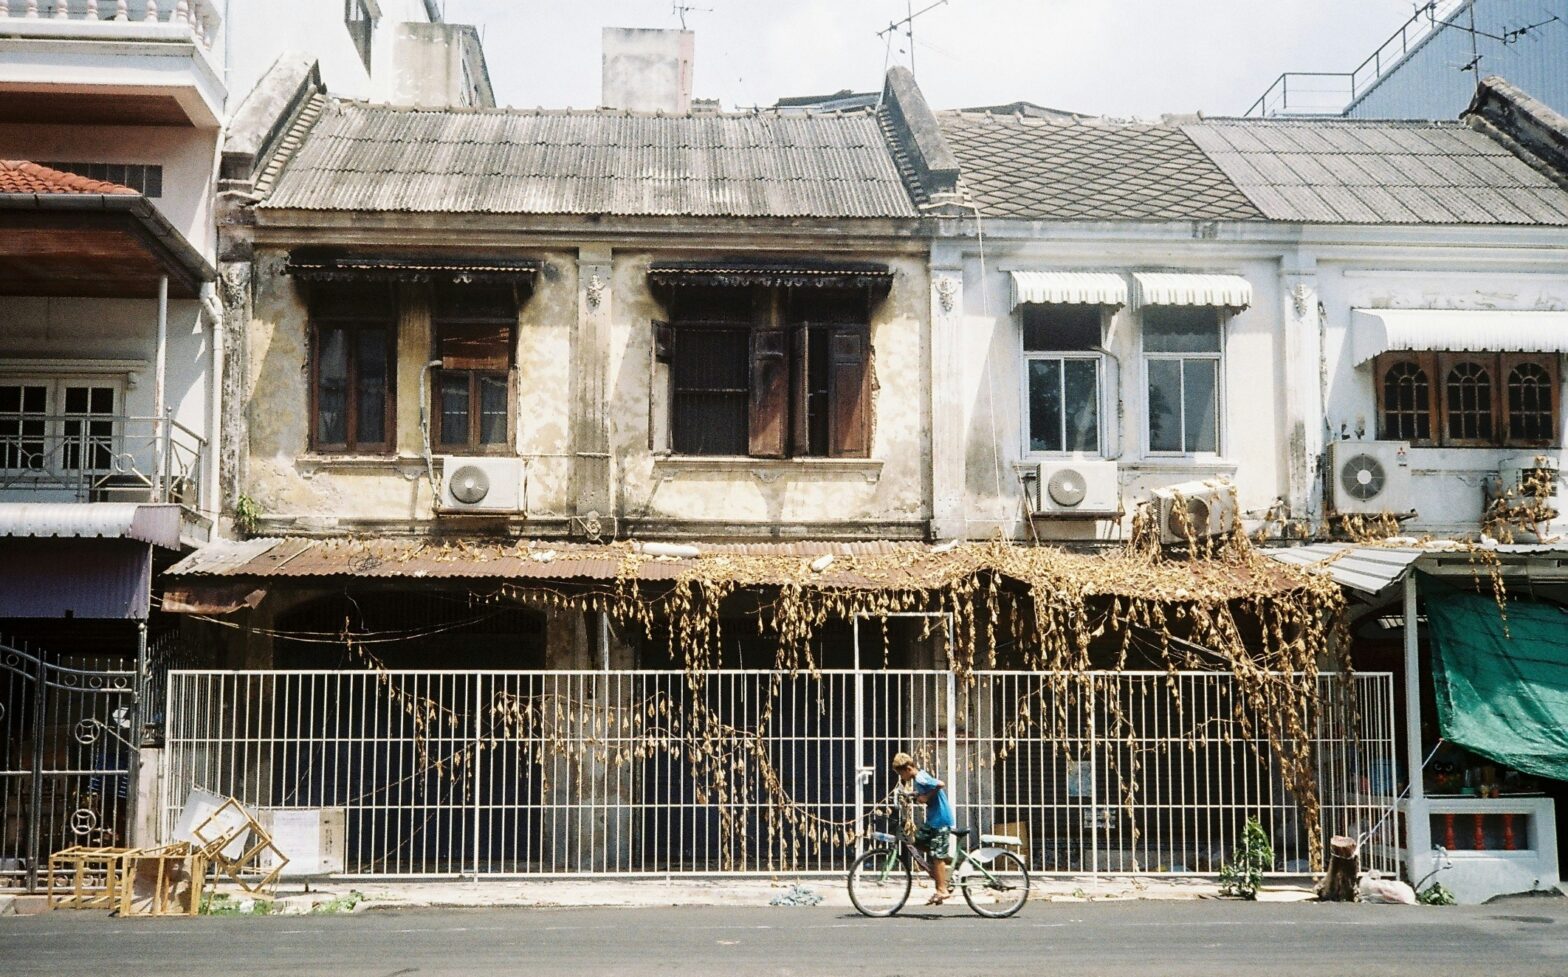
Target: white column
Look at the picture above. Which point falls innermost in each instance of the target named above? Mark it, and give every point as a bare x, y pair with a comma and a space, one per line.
1418, 825
160, 372
946, 397
1303, 401
211, 453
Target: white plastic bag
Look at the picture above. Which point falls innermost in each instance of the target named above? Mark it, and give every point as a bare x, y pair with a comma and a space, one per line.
1374, 888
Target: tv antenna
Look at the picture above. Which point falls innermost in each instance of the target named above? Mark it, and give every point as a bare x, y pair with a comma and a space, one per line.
908, 24
680, 10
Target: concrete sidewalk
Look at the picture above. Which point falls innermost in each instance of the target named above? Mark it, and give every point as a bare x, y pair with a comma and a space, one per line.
648, 893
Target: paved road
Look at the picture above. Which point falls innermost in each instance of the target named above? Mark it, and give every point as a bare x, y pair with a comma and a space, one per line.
1160, 939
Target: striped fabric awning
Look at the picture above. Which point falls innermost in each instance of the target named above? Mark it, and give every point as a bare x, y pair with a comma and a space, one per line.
1182, 288
1069, 288
1375, 331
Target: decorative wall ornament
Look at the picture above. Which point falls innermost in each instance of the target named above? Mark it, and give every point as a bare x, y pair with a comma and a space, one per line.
947, 292
1298, 298
595, 289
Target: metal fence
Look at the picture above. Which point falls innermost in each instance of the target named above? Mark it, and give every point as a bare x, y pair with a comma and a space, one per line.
483, 773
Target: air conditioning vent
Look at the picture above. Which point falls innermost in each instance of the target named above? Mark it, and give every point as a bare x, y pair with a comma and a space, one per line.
480, 485
1369, 477
1078, 488
1195, 510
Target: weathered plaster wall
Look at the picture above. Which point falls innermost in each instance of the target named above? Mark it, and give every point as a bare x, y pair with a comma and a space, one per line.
884, 495
990, 381
1446, 483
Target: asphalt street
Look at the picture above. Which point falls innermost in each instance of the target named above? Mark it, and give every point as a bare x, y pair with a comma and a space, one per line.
1527, 936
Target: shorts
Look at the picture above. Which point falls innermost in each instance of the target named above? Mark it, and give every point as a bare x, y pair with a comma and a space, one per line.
937, 841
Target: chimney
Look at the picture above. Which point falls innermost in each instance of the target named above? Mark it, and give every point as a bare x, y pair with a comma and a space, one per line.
647, 70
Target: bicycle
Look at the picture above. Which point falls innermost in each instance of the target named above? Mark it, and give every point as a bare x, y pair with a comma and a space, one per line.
994, 881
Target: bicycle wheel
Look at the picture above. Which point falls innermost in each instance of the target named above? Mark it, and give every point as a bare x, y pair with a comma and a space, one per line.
879, 882
1001, 895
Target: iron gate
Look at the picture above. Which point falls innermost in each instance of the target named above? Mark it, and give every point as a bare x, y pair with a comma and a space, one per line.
66, 760
481, 773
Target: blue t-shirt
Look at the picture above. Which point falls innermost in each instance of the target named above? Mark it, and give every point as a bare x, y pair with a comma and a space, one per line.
939, 813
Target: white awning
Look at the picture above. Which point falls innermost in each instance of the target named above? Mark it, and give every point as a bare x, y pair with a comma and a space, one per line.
1069, 288
158, 524
1171, 288
1375, 331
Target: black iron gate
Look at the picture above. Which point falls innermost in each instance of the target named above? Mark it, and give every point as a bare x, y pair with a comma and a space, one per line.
67, 758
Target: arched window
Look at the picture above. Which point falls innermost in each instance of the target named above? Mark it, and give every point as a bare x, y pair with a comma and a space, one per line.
1531, 400
1406, 401
1467, 401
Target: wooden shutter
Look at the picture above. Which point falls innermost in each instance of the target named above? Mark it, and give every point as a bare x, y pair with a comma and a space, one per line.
1548, 364
849, 392
767, 420
476, 346
800, 382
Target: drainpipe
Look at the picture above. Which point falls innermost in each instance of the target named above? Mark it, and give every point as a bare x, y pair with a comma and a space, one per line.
424, 429
212, 451
1418, 827
159, 404
1121, 420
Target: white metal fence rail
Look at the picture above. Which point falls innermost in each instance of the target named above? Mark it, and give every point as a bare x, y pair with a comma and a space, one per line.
642, 772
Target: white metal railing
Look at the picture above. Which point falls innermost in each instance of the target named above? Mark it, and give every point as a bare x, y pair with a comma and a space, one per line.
472, 773
114, 17
1331, 92
99, 458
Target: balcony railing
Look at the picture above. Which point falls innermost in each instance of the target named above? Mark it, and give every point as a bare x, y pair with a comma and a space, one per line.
99, 458
112, 19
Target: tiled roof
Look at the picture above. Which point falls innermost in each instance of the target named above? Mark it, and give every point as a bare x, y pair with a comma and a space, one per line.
1352, 172
1094, 170
376, 158
19, 176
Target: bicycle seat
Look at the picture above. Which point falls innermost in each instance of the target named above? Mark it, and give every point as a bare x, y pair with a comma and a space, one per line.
960, 832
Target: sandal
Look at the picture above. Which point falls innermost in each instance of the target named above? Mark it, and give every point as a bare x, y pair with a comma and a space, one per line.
937, 898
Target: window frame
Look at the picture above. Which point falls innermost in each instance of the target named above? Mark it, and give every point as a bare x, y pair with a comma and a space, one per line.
353, 324
1218, 358
55, 419
1499, 365
1026, 357
471, 444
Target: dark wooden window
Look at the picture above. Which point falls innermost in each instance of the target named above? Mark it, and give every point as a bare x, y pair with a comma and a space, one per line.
770, 373
352, 371
1406, 398
474, 326
1468, 399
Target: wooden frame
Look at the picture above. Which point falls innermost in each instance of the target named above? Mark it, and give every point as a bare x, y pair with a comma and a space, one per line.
1448, 363
352, 326
1550, 363
167, 880
1499, 367
1427, 364
97, 876
465, 337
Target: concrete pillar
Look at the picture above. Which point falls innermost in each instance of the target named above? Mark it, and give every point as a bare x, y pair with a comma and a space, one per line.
591, 472
1303, 384
946, 403
146, 829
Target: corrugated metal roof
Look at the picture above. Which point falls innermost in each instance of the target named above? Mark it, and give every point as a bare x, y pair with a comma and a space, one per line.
153, 523
1171, 288
380, 158
1361, 172
1069, 288
1052, 169
1374, 568
1374, 331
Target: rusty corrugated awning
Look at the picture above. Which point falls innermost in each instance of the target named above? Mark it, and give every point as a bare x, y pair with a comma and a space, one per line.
791, 274
323, 265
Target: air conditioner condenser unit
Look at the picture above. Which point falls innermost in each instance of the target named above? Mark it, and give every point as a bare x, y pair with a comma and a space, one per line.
481, 485
1369, 477
1078, 488
1195, 510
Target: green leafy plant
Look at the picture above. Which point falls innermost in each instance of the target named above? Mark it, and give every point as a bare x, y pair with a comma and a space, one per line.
1436, 895
341, 904
247, 515
1243, 875
222, 904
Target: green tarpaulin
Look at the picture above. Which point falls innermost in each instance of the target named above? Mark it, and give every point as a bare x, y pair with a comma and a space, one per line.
1502, 689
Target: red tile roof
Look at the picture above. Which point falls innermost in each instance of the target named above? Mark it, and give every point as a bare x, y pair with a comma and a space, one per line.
20, 176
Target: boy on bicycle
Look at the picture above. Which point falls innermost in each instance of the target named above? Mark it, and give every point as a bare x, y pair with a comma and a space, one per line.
933, 835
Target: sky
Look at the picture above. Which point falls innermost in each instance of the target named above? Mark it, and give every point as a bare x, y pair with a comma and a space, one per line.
1126, 58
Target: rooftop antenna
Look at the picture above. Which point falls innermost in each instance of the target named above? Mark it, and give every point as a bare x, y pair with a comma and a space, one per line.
908, 24
680, 10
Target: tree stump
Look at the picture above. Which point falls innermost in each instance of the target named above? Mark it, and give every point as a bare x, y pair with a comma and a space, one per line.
1344, 865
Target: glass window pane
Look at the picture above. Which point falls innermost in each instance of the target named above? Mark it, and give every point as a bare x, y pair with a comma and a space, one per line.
76, 400
101, 401
332, 387
1082, 403
492, 409
1045, 405
1200, 403
453, 398
1165, 405
1177, 329
371, 347
1061, 328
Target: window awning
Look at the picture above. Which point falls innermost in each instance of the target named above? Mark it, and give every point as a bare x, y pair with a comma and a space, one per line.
314, 265
1375, 331
1176, 288
1069, 288
742, 274
155, 523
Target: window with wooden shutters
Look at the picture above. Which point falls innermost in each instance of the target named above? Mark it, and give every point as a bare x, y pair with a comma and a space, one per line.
353, 329
1406, 397
1469, 399
474, 326
764, 373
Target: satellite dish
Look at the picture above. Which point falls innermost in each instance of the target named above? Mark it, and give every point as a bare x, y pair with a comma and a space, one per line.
1067, 488
469, 484
1363, 477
